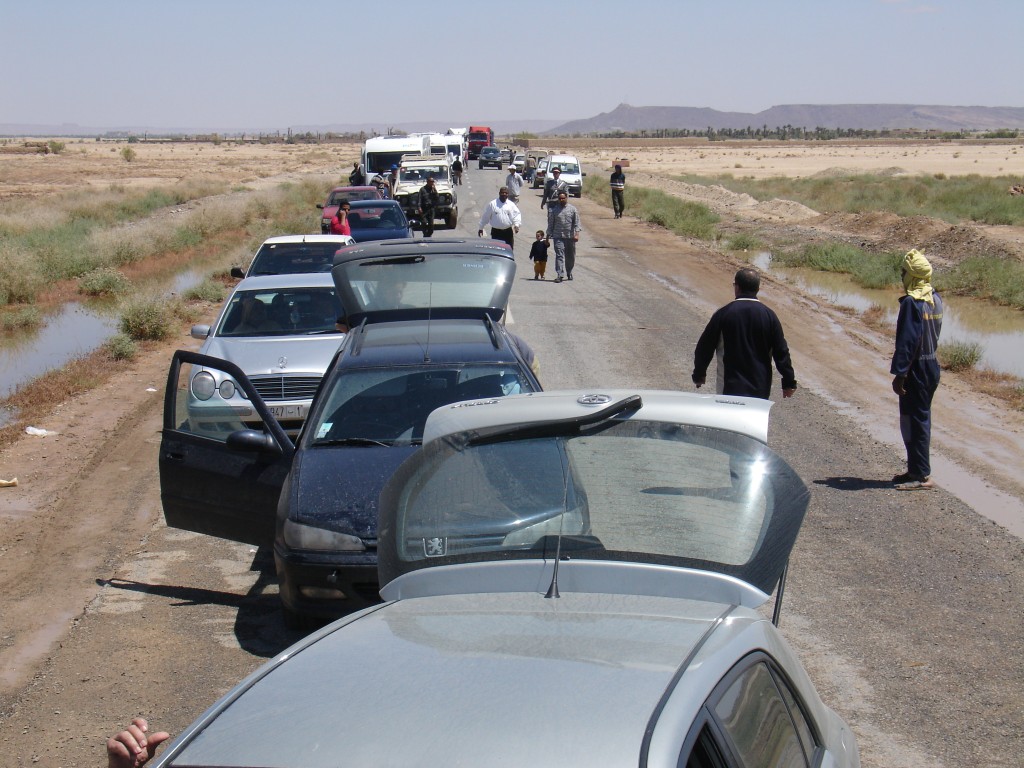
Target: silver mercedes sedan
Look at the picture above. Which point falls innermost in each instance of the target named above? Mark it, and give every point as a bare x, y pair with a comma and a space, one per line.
281, 330
571, 579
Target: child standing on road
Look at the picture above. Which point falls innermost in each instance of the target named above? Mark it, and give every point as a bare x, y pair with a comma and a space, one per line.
539, 255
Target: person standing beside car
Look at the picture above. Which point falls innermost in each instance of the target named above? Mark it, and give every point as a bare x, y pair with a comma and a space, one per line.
355, 178
392, 180
503, 217
457, 170
745, 336
618, 185
564, 229
553, 187
428, 200
915, 368
513, 182
339, 221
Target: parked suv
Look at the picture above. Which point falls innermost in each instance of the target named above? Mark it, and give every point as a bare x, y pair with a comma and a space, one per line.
490, 157
426, 330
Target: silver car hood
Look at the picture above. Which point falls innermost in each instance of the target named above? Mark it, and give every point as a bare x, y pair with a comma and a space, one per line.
261, 355
506, 679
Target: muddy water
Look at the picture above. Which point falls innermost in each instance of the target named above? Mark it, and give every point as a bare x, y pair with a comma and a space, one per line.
998, 330
72, 331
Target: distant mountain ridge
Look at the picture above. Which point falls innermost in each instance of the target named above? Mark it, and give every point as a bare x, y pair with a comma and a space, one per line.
857, 116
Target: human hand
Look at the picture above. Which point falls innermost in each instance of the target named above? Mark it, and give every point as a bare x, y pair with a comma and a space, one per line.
480, 233
788, 392
576, 237
698, 382
132, 747
898, 385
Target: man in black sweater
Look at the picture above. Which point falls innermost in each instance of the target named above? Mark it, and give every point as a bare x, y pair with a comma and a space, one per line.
747, 336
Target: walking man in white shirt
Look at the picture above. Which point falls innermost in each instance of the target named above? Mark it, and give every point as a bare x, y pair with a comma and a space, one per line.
502, 216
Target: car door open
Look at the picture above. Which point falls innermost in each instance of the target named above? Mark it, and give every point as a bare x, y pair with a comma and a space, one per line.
223, 458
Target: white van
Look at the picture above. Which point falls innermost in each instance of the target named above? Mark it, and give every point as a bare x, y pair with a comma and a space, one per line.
572, 173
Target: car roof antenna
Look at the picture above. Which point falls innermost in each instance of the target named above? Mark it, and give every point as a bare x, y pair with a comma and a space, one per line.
553, 586
430, 304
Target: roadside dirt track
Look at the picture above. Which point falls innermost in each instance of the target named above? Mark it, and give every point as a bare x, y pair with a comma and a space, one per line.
907, 608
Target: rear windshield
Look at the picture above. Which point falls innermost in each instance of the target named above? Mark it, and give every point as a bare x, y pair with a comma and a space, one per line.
292, 258
354, 194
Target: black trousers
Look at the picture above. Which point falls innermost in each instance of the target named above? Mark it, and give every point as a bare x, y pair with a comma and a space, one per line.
505, 235
618, 201
427, 222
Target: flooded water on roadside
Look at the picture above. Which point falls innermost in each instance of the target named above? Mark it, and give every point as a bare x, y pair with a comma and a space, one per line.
998, 330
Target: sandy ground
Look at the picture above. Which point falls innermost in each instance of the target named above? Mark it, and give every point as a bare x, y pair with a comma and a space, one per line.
55, 564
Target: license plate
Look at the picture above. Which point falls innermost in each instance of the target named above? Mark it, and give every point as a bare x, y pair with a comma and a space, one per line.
287, 411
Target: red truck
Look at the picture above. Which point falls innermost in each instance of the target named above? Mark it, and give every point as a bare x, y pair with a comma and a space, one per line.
479, 136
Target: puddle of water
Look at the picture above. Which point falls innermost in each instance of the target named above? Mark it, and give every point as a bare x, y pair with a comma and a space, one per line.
73, 331
999, 330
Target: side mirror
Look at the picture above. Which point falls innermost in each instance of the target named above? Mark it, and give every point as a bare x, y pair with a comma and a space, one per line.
237, 272
583, 174
252, 440
320, 206
200, 331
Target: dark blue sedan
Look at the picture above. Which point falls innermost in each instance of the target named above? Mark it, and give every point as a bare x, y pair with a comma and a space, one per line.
378, 220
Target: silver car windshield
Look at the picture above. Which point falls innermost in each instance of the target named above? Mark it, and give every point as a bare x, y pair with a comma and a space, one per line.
284, 312
627, 490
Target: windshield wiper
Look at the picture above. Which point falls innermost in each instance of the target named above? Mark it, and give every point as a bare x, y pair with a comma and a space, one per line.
559, 428
361, 441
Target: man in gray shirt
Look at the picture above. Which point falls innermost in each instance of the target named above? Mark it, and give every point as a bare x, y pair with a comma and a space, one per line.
564, 230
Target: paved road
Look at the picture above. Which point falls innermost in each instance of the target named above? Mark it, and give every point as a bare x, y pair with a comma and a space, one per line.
908, 611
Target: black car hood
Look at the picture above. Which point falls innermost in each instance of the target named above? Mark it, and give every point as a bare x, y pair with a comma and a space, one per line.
337, 487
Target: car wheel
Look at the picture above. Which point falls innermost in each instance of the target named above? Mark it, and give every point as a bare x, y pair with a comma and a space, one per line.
480, 167
577, 194
452, 219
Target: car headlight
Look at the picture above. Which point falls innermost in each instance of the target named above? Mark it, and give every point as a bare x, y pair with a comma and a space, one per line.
446, 199
299, 536
204, 385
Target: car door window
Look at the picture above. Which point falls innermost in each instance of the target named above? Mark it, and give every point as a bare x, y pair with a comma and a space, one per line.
756, 718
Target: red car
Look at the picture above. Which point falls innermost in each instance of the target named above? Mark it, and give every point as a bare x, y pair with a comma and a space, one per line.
338, 194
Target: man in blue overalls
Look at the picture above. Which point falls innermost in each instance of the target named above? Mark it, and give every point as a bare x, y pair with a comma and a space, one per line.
915, 368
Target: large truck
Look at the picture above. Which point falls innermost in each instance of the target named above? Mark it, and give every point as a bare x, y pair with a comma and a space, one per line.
480, 136
381, 152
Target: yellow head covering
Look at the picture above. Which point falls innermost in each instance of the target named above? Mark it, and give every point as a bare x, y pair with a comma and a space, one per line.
917, 276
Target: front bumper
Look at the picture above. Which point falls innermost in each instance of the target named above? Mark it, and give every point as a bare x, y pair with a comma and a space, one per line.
326, 584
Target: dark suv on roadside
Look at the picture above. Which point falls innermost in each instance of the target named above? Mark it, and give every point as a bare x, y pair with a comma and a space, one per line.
426, 331
490, 157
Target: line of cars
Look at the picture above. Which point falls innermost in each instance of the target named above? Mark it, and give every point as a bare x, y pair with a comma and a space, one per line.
568, 578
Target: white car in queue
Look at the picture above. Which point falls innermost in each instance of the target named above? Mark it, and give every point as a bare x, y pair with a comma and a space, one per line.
281, 330
570, 579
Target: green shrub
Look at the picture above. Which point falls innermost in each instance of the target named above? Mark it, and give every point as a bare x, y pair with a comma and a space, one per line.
147, 318
128, 154
1001, 280
743, 242
871, 270
959, 355
56, 147
121, 347
104, 281
21, 319
208, 290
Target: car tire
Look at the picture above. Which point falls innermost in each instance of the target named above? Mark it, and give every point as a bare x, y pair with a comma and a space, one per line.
452, 219
480, 167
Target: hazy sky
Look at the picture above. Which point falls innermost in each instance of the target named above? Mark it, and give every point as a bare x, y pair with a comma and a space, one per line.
228, 65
